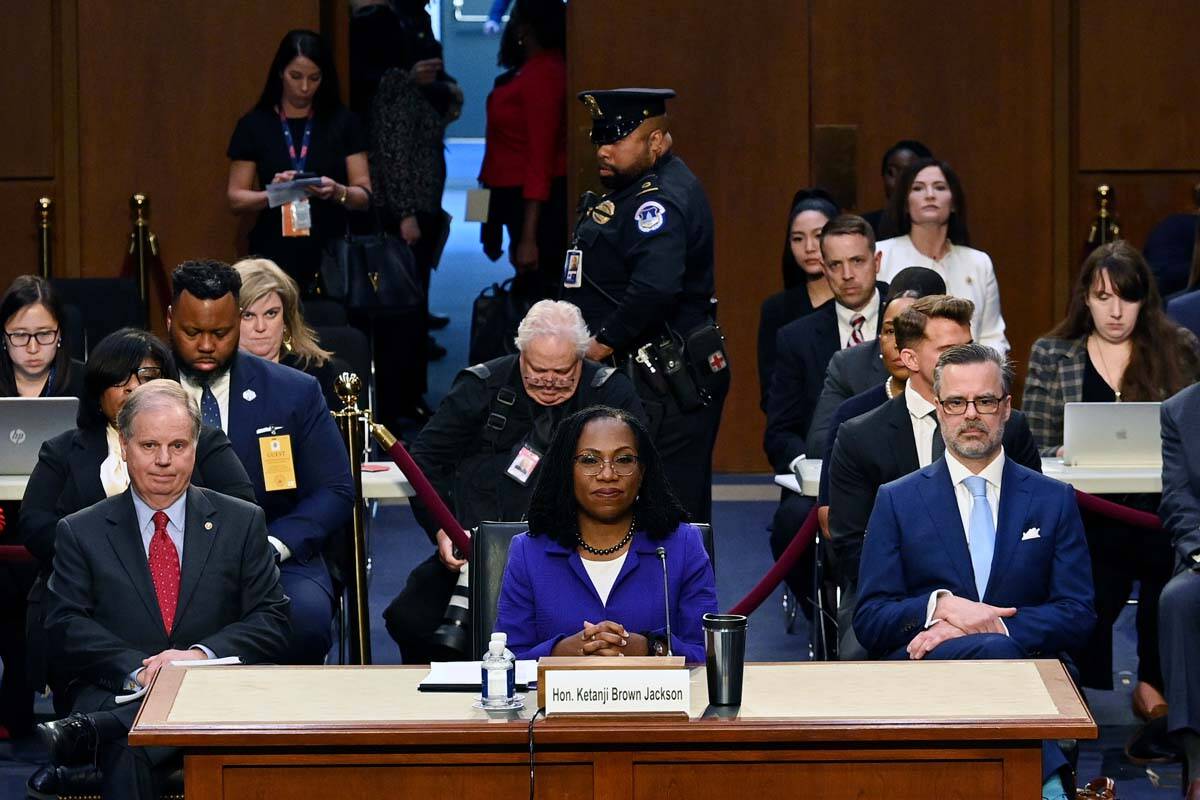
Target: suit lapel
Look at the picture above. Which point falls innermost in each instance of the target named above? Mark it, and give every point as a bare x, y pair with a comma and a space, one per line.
86, 467
1014, 505
242, 379
938, 495
200, 531
904, 447
126, 541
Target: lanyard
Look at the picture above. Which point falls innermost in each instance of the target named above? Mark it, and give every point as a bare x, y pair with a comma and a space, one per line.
297, 163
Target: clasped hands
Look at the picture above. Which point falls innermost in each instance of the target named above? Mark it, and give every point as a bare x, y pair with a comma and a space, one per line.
151, 665
602, 639
957, 616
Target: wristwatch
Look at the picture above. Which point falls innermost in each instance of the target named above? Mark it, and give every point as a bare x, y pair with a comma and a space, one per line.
655, 645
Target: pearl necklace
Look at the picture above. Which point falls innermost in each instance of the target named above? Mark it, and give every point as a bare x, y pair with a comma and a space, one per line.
607, 551
888, 390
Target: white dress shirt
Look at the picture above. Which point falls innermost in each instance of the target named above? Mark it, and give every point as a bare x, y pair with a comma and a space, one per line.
924, 423
869, 312
603, 574
968, 273
220, 390
992, 474
114, 477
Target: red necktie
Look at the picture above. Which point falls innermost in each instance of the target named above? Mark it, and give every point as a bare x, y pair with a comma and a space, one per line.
164, 569
856, 336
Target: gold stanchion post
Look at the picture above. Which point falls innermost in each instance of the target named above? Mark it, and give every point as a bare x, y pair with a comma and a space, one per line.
1104, 227
352, 421
45, 210
141, 242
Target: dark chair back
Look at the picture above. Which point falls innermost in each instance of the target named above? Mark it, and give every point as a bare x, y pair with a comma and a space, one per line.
350, 346
73, 332
323, 313
489, 554
107, 304
706, 535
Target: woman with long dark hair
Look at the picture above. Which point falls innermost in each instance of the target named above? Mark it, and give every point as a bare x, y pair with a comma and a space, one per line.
585, 579
804, 285
33, 359
927, 220
1114, 345
299, 127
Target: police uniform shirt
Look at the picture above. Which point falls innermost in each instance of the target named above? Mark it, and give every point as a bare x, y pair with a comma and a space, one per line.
649, 247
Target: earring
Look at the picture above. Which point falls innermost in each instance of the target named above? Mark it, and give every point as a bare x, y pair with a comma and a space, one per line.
287, 342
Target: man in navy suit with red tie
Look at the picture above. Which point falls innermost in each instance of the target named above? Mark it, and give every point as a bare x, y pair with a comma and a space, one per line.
975, 556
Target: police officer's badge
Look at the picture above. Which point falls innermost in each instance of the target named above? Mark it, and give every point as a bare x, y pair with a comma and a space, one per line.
603, 212
650, 216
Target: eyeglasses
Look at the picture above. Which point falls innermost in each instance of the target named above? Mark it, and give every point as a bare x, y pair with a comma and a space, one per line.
21, 338
957, 406
623, 465
143, 375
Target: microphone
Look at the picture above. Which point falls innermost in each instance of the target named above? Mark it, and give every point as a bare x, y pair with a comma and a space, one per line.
662, 556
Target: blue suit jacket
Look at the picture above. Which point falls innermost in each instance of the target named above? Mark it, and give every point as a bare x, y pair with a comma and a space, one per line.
915, 544
1180, 507
547, 595
1185, 310
261, 394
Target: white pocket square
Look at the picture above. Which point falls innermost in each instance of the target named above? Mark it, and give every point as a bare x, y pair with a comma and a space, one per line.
1032, 533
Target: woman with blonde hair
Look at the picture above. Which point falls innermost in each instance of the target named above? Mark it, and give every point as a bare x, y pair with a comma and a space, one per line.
273, 326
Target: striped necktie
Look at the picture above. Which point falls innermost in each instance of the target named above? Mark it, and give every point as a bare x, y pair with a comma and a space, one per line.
856, 325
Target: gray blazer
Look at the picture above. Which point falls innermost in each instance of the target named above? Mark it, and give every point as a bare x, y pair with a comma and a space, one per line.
1180, 506
850, 372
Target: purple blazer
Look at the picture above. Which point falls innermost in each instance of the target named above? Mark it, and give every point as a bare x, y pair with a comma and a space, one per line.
547, 594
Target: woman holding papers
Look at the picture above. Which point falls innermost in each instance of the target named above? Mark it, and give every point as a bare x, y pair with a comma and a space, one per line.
299, 129
587, 579
1116, 344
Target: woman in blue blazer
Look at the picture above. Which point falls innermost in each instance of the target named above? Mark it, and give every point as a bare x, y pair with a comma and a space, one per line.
586, 578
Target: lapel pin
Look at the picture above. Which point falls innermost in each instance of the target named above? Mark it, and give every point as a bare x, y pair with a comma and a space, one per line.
248, 395
208, 526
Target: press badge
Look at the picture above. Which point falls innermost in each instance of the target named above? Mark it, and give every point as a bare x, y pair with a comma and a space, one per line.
279, 473
573, 270
524, 464
297, 218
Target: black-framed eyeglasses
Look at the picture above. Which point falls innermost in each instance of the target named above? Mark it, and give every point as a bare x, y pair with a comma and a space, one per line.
957, 406
143, 375
21, 338
624, 465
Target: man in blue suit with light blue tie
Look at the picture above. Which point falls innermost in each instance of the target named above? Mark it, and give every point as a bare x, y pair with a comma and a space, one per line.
975, 556
282, 432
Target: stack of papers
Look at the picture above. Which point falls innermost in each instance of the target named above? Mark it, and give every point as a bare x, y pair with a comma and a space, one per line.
464, 676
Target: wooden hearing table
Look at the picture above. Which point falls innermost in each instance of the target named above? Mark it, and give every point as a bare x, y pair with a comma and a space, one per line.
818, 729
1093, 480
386, 485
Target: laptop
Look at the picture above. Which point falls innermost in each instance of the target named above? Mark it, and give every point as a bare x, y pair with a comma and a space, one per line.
26, 422
1112, 435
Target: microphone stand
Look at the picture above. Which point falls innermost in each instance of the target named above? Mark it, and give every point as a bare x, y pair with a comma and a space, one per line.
662, 556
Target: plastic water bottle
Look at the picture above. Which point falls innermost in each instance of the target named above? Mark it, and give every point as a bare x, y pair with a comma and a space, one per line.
499, 673
503, 638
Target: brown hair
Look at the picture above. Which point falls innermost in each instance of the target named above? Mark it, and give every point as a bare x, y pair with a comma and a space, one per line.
1163, 360
848, 225
910, 325
896, 219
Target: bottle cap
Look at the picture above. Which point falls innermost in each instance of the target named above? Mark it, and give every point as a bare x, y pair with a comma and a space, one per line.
500, 636
496, 647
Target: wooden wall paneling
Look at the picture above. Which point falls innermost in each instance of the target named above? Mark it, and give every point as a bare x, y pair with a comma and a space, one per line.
977, 86
161, 86
18, 233
27, 92
1143, 199
1137, 85
740, 122
67, 223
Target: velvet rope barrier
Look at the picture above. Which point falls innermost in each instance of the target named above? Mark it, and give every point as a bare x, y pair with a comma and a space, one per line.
1123, 514
424, 489
787, 561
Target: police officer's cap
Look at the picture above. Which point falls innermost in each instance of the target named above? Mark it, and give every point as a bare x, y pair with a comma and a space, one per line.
616, 113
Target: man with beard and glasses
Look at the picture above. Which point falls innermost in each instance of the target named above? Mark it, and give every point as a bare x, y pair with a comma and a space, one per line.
640, 269
482, 450
271, 413
975, 556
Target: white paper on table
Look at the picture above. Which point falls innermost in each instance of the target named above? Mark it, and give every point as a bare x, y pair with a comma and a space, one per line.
451, 675
207, 662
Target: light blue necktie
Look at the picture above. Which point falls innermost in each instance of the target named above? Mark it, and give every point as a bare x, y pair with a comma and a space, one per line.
210, 412
982, 536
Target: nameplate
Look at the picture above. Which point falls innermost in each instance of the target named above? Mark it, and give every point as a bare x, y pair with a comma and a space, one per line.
617, 691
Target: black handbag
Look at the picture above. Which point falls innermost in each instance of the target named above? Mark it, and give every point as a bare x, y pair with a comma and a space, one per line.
372, 273
494, 319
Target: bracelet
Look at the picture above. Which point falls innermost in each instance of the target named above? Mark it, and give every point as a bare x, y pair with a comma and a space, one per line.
345, 193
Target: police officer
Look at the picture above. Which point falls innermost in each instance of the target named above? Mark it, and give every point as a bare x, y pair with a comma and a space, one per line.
641, 270
482, 447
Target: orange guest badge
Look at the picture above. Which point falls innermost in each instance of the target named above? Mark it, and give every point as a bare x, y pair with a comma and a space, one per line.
279, 473
297, 218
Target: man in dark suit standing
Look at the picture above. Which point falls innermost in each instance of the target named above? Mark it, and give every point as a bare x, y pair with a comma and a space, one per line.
1179, 604
803, 349
282, 432
976, 556
900, 437
163, 572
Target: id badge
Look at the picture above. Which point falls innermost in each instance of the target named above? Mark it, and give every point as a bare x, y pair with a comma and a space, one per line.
297, 218
279, 473
524, 464
573, 270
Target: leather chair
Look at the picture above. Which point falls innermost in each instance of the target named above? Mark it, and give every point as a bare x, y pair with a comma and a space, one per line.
489, 548
106, 304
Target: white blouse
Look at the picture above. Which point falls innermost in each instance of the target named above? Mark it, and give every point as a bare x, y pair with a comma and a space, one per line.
968, 274
603, 574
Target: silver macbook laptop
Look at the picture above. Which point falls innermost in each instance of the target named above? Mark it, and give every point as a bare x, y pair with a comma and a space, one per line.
26, 422
1112, 435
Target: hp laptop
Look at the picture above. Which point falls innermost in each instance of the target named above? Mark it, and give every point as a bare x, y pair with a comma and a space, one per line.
26, 422
1112, 435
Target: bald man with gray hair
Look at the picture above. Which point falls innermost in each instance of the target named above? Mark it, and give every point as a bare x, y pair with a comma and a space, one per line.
482, 448
163, 572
